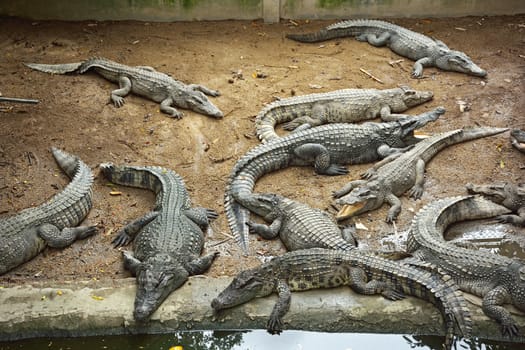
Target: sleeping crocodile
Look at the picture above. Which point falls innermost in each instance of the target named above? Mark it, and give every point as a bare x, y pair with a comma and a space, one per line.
143, 81
517, 139
426, 51
298, 225
340, 106
327, 147
509, 195
167, 242
27, 233
362, 271
396, 174
497, 279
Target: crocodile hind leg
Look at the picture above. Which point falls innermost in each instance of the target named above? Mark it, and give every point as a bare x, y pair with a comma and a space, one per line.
275, 323
117, 96
128, 232
201, 216
62, 238
359, 283
204, 90
491, 306
321, 158
374, 39
315, 118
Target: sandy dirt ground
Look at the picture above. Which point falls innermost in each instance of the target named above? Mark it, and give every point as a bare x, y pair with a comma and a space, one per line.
75, 114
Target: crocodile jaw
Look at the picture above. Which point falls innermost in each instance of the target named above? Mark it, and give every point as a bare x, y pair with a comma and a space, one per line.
349, 210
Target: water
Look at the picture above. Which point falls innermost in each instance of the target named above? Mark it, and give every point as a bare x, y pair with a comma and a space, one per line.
253, 340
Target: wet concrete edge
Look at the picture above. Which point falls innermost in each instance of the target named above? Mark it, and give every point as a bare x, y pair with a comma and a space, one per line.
92, 308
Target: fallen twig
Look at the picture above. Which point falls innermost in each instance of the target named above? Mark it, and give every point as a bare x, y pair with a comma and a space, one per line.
371, 75
18, 100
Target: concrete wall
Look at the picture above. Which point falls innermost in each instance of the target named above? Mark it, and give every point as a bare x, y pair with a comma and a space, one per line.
270, 10
92, 308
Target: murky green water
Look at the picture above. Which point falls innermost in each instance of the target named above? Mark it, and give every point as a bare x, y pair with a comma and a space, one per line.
253, 340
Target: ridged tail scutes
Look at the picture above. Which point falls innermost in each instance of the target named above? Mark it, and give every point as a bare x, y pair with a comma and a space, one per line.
315, 37
67, 162
55, 68
237, 216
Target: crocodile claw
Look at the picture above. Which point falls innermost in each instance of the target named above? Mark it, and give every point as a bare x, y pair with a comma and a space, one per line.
118, 101
510, 330
274, 326
336, 170
121, 240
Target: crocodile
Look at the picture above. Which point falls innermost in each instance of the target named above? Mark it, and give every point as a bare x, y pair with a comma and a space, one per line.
509, 195
167, 242
517, 139
497, 279
426, 51
143, 81
298, 225
396, 174
363, 271
53, 223
327, 147
340, 106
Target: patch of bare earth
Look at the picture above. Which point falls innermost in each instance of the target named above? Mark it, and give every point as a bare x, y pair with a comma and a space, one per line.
75, 114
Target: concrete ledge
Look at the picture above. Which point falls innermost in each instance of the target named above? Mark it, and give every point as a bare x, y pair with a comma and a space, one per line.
83, 309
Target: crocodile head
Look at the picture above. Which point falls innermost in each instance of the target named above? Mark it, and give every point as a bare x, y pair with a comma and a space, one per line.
507, 194
406, 98
198, 102
360, 200
157, 277
247, 285
262, 204
407, 127
518, 135
457, 61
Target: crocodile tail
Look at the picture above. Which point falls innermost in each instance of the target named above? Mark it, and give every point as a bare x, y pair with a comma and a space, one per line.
476, 133
237, 217
315, 37
69, 163
56, 68
453, 306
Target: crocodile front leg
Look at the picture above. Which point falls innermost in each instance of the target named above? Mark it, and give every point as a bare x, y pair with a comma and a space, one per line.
321, 157
275, 323
387, 116
204, 90
417, 71
517, 220
491, 306
117, 96
56, 238
395, 208
201, 264
265, 231
166, 107
130, 262
417, 190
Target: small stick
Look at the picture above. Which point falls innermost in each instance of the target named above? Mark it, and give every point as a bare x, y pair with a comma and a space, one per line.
19, 100
371, 76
